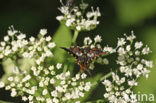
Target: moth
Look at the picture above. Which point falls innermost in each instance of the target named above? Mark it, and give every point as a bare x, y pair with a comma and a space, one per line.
85, 55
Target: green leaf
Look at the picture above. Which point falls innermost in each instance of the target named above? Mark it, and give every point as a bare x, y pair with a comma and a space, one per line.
24, 64
62, 38
92, 80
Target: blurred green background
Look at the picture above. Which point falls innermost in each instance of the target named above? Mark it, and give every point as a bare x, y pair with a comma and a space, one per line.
118, 17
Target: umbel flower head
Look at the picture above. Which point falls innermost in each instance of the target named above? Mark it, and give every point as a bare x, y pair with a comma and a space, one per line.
76, 19
132, 66
40, 82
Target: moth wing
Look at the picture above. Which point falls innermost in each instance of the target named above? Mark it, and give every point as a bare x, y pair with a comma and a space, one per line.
94, 53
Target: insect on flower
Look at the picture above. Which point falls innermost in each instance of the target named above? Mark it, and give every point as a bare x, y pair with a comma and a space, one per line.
85, 55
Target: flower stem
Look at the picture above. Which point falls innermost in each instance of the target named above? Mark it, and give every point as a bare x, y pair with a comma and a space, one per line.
48, 91
103, 78
106, 76
65, 68
75, 36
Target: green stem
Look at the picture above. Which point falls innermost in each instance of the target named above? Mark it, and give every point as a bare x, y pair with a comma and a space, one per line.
75, 36
65, 68
48, 91
106, 76
103, 78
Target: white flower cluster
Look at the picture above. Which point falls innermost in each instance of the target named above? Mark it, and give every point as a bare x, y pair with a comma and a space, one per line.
132, 66
42, 82
15, 43
75, 19
48, 86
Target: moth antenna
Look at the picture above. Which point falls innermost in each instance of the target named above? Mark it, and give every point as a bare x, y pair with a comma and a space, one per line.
63, 48
66, 49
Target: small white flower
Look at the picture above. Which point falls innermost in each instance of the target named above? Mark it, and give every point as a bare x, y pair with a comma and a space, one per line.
69, 22
146, 50
138, 45
7, 87
78, 28
51, 68
44, 92
21, 36
13, 93
106, 82
137, 52
32, 39
59, 18
140, 67
81, 94
48, 38
30, 97
51, 45
3, 44
106, 95
83, 76
11, 79
88, 86
48, 100
68, 96
58, 66
55, 100
26, 78
11, 33
54, 93
149, 64
87, 41
43, 32
24, 98
77, 102
131, 37
121, 41
77, 76
109, 49
59, 89
121, 51
97, 39
128, 47
41, 84
1, 84
132, 83
52, 81
6, 38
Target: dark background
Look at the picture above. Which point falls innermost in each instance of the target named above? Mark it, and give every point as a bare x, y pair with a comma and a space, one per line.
118, 17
